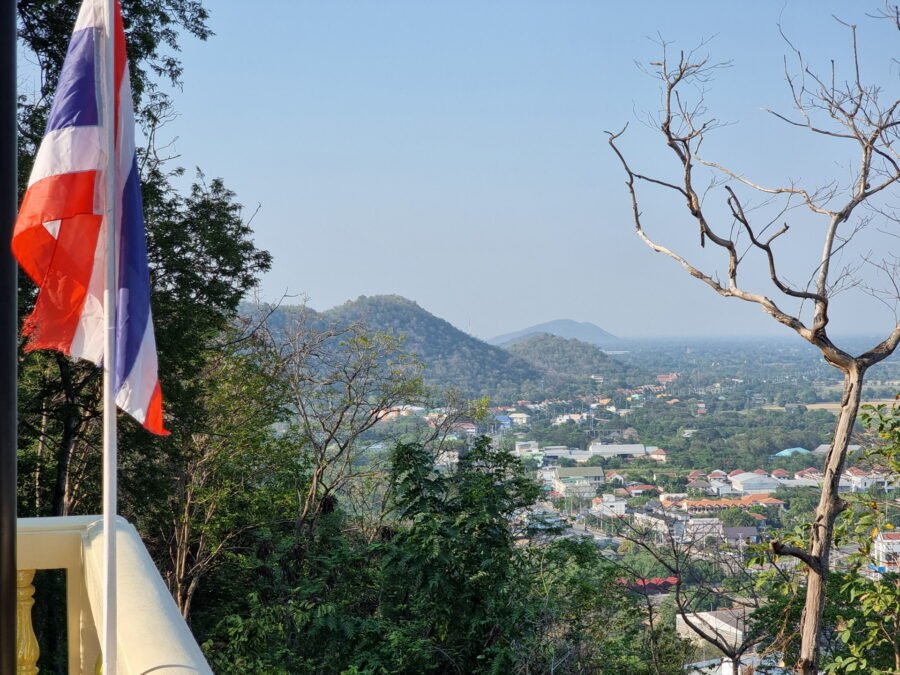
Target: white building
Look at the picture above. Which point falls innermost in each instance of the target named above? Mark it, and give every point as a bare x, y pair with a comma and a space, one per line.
648, 523
748, 483
699, 529
621, 450
520, 419
525, 448
608, 506
886, 552
727, 624
577, 481
556, 452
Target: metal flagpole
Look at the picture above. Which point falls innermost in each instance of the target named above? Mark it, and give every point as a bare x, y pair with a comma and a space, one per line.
109, 353
8, 337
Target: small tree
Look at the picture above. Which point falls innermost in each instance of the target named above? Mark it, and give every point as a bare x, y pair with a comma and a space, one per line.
848, 112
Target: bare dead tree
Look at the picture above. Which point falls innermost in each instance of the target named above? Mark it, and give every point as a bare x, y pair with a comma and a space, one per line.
846, 112
706, 574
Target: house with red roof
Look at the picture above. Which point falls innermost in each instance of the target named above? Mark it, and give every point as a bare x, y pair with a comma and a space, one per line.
641, 488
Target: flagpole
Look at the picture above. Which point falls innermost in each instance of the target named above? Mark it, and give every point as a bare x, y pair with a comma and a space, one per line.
110, 483
8, 336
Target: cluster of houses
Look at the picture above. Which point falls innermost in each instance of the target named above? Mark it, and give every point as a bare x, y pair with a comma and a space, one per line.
759, 481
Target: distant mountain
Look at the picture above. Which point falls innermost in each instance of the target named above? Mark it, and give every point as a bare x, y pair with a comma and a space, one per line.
573, 362
564, 328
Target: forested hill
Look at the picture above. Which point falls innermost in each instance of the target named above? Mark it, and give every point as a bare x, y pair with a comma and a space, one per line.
573, 361
538, 366
450, 357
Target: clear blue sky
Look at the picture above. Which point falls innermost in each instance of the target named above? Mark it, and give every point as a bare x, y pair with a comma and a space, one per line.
454, 152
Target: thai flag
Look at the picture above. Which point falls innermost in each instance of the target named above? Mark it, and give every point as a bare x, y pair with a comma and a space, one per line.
60, 233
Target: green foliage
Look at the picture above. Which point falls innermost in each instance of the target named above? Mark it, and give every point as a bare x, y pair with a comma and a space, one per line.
862, 609
452, 359
443, 588
735, 517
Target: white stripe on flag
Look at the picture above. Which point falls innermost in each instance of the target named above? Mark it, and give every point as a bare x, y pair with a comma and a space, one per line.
136, 391
67, 150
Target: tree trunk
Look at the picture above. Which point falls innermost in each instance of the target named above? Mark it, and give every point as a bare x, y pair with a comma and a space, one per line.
61, 494
830, 506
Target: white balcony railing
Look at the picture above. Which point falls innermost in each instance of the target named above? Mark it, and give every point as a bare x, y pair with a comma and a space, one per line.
152, 636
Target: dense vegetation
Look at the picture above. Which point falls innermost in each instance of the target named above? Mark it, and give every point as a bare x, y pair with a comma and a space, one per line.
570, 364
443, 589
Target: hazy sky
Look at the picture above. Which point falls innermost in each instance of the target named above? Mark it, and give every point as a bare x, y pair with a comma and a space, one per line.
454, 152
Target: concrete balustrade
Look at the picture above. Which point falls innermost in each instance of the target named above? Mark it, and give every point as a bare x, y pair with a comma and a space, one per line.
152, 636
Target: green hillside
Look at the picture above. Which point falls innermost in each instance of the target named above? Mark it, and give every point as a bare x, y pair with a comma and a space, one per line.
536, 367
573, 363
451, 357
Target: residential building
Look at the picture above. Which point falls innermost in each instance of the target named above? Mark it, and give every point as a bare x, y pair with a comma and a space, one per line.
714, 505
698, 484
658, 455
608, 506
524, 448
637, 489
809, 472
651, 524
577, 481
652, 586
615, 477
624, 451
721, 488
668, 499
740, 536
503, 421
520, 418
859, 480
886, 552
699, 529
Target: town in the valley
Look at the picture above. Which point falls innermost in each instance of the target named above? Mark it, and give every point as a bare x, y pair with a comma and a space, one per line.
692, 467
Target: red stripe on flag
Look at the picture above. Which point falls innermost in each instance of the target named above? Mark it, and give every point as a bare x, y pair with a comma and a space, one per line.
61, 298
60, 266
153, 421
53, 198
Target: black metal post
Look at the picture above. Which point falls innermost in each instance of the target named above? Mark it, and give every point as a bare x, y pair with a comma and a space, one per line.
8, 337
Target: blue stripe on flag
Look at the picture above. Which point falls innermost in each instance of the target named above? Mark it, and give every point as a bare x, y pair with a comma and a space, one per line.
75, 104
134, 279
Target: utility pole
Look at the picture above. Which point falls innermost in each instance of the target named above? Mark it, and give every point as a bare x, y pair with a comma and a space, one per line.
8, 336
